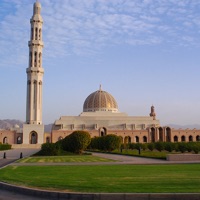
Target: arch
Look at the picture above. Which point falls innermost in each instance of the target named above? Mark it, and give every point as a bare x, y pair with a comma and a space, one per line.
40, 34
102, 131
160, 131
36, 33
175, 138
182, 138
30, 58
137, 139
127, 139
5, 140
60, 138
144, 139
19, 140
197, 138
33, 137
153, 134
47, 139
40, 56
168, 134
31, 33
35, 60
190, 138
121, 139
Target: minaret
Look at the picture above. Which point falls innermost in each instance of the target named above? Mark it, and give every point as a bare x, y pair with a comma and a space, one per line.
35, 71
153, 114
34, 76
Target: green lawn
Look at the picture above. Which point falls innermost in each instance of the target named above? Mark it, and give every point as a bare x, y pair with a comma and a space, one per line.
181, 178
62, 159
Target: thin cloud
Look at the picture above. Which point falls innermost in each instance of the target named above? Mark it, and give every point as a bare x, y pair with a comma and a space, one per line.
84, 27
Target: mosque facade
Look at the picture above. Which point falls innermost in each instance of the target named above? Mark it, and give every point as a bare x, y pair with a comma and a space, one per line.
100, 116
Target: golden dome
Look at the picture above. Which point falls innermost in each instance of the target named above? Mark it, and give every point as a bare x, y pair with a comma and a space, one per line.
100, 101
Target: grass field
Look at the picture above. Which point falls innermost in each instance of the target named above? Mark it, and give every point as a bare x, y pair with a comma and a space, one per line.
63, 159
108, 178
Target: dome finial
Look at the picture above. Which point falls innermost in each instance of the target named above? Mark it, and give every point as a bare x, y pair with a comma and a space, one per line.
100, 87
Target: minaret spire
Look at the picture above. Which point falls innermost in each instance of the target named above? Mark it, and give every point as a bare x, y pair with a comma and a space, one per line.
35, 71
153, 114
33, 130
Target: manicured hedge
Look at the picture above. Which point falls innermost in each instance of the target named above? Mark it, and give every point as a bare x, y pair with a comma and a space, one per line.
168, 146
106, 143
50, 149
76, 142
5, 147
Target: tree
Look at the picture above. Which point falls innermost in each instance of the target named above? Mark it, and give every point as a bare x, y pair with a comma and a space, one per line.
76, 142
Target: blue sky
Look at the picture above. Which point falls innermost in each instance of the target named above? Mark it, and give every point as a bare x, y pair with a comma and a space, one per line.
143, 52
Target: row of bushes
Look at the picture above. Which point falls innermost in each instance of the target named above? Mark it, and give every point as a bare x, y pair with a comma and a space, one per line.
106, 143
5, 147
76, 142
166, 146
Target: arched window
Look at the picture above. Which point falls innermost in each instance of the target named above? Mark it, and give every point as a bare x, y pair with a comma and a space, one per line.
121, 138
182, 138
137, 139
33, 138
160, 134
40, 59
127, 139
197, 138
19, 140
190, 138
102, 131
36, 33
31, 33
5, 140
144, 139
35, 60
168, 134
175, 138
153, 134
30, 58
40, 36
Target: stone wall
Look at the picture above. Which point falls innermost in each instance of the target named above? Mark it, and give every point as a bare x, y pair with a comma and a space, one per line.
183, 157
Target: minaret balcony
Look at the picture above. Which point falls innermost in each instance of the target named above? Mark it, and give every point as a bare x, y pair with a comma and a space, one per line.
35, 43
34, 70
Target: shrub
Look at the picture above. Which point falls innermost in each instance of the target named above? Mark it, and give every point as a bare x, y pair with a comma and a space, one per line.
138, 146
159, 146
50, 149
169, 146
196, 148
5, 147
112, 142
76, 142
144, 146
189, 146
107, 143
151, 146
182, 147
132, 146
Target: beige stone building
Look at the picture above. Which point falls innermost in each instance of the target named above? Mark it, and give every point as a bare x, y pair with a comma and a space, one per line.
100, 115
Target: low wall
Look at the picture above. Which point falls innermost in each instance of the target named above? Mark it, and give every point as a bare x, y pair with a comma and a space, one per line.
183, 157
98, 196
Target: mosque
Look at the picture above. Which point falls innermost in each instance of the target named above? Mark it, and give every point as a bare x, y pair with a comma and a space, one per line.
100, 116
